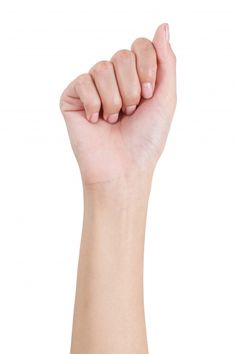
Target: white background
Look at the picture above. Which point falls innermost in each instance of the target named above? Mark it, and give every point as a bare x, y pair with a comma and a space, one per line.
190, 269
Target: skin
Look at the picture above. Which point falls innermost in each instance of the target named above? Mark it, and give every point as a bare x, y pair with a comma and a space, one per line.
118, 116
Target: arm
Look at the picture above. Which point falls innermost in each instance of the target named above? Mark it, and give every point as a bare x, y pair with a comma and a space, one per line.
117, 151
109, 313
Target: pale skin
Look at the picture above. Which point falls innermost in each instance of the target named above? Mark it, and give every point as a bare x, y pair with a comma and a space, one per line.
118, 116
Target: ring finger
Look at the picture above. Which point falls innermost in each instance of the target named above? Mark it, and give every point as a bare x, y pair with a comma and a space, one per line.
105, 81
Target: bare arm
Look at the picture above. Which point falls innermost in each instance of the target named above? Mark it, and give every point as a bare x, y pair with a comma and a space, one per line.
109, 313
117, 150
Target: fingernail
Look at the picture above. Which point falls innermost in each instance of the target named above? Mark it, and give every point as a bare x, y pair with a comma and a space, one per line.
147, 90
130, 109
94, 117
112, 118
167, 32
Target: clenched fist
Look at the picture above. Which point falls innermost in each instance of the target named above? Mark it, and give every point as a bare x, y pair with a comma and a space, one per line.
119, 113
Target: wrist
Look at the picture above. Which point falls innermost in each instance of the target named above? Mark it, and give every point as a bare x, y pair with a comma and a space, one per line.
117, 208
124, 190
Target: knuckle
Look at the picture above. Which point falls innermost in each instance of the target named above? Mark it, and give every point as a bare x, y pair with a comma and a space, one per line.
93, 105
151, 73
116, 103
123, 55
83, 79
61, 100
101, 66
143, 43
61, 104
134, 95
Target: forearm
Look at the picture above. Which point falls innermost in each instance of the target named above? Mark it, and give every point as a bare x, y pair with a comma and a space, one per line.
109, 312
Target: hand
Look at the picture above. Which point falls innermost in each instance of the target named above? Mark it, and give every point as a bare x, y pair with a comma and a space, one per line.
119, 113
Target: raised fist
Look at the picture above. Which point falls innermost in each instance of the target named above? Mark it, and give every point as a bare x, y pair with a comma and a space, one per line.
119, 113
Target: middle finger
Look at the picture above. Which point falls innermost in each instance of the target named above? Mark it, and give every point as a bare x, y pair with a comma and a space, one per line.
127, 77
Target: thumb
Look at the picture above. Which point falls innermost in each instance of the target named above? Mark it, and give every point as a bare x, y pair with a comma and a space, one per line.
165, 88
161, 106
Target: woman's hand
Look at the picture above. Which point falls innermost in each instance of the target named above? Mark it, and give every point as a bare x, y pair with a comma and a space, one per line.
118, 117
119, 113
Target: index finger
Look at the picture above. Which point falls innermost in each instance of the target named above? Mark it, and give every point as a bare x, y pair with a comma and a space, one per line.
146, 62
